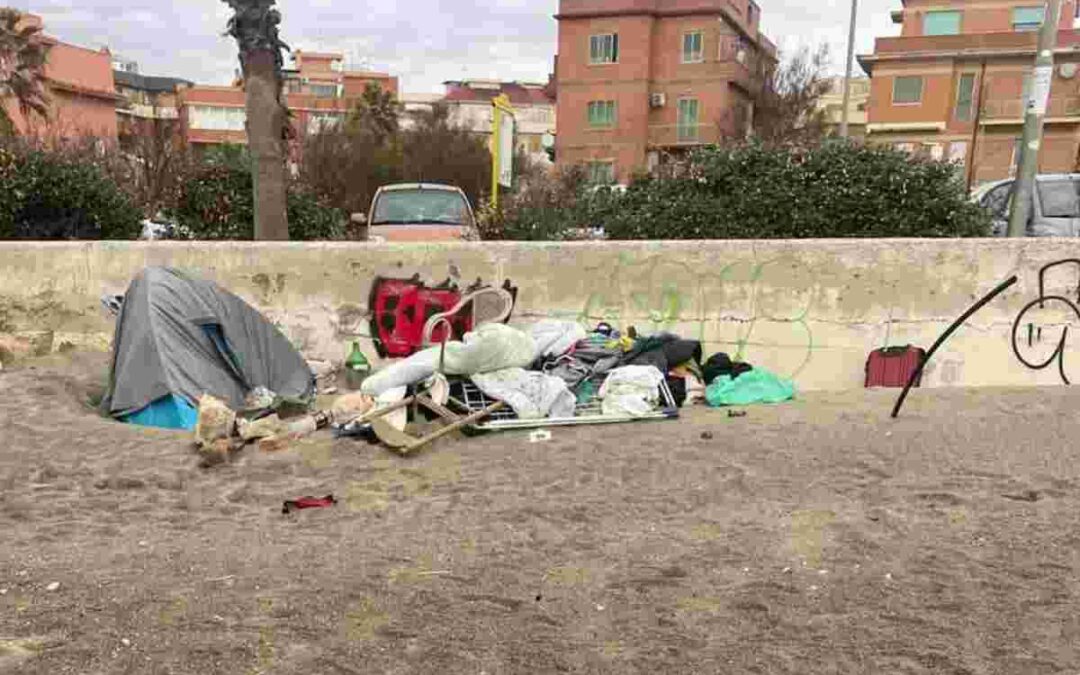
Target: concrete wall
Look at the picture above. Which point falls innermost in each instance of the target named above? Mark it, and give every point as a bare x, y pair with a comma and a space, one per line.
808, 310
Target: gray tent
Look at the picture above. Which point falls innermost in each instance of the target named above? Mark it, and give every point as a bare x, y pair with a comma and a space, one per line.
178, 338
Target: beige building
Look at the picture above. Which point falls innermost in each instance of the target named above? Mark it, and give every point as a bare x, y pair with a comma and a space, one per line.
832, 104
470, 106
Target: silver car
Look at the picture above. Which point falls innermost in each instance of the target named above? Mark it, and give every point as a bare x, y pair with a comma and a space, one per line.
1055, 209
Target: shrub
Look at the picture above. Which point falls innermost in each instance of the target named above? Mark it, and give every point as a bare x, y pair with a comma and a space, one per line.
836, 189
544, 207
56, 194
218, 203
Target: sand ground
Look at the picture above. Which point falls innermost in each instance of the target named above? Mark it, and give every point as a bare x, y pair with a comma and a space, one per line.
816, 537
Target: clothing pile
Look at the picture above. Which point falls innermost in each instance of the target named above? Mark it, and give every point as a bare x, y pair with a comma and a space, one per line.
555, 369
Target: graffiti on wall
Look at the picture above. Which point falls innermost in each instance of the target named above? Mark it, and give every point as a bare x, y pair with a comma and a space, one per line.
732, 307
1028, 341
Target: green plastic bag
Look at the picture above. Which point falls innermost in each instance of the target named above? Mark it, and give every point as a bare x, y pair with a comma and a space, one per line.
755, 386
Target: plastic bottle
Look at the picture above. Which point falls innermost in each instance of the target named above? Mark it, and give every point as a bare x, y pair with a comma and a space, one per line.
357, 368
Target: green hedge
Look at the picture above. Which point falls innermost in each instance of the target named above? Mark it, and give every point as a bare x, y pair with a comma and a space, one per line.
837, 189
218, 203
54, 195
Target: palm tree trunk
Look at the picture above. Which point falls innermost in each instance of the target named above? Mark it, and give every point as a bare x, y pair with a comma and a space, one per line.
266, 142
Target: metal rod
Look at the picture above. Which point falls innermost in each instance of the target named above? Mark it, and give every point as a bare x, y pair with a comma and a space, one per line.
975, 128
945, 336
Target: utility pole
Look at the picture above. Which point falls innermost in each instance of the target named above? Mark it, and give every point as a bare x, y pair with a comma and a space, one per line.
1034, 115
850, 65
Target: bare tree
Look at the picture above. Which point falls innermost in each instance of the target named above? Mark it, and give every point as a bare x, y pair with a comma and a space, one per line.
439, 149
159, 161
786, 108
23, 53
254, 25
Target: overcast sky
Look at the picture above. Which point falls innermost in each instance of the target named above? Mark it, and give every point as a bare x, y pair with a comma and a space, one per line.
425, 42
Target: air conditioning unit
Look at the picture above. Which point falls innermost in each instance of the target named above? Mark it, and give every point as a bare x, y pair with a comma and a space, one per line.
1067, 70
657, 100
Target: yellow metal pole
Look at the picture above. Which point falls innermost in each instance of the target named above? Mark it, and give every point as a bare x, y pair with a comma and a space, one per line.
496, 144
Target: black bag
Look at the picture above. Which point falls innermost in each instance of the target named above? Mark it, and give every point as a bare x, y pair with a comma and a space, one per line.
721, 364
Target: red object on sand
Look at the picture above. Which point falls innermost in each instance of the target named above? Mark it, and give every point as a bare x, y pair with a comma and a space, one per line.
308, 503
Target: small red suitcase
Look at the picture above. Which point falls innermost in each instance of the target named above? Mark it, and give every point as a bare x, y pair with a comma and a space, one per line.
893, 366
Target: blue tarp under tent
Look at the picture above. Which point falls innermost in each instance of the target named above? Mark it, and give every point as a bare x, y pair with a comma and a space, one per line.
179, 337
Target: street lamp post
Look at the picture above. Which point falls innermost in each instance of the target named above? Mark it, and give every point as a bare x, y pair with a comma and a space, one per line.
850, 65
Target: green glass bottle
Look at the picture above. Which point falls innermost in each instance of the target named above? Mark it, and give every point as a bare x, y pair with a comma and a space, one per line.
357, 368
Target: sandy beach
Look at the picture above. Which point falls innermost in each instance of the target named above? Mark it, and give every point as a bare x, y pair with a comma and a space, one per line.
815, 537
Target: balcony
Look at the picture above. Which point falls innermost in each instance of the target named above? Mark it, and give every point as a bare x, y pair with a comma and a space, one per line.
144, 111
1012, 111
968, 43
686, 135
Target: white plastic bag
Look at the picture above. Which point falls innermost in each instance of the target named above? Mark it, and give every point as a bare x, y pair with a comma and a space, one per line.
631, 390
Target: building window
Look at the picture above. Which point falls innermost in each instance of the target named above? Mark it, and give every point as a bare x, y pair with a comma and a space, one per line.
604, 48
907, 90
602, 173
215, 118
324, 90
1027, 18
601, 113
965, 97
688, 119
693, 48
941, 23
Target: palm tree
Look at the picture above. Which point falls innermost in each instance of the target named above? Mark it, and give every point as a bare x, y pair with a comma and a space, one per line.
254, 25
22, 68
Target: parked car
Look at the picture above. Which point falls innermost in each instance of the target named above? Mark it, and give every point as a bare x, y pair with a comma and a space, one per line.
1055, 208
418, 212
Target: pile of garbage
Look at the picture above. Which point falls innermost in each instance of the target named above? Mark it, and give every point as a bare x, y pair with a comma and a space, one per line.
190, 355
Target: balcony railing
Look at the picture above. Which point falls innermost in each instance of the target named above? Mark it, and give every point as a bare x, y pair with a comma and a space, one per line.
668, 135
969, 42
1014, 109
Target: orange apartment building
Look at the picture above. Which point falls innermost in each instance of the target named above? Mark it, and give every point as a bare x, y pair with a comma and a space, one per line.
952, 84
79, 92
639, 80
318, 91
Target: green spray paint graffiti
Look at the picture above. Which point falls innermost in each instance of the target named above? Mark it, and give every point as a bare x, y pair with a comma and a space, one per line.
742, 307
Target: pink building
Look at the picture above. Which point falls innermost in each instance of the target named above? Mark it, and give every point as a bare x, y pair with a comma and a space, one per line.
318, 91
80, 92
